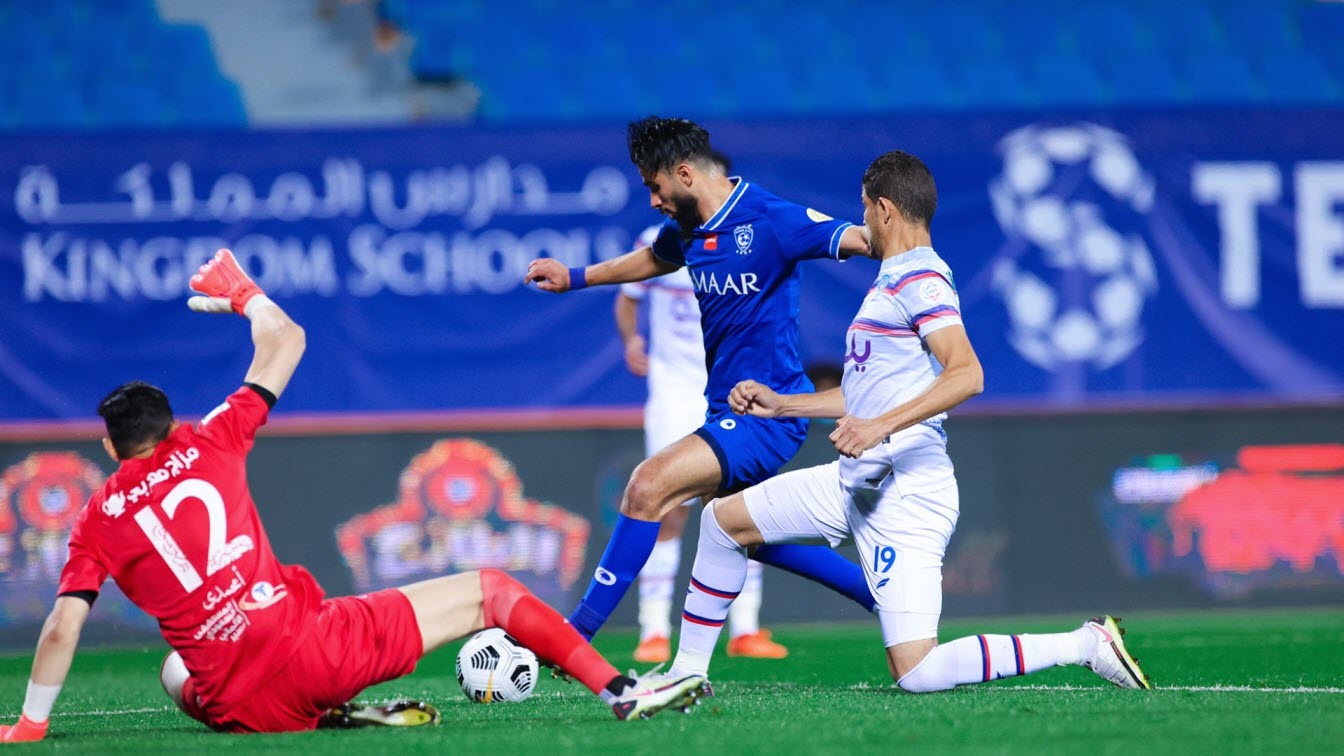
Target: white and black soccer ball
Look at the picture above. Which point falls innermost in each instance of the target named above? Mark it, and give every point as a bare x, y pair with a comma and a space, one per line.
1076, 272
492, 667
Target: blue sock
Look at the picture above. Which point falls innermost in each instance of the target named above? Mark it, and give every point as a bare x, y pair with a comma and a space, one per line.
819, 564
629, 548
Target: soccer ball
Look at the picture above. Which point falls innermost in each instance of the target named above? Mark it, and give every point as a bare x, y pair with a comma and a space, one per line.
1076, 271
492, 667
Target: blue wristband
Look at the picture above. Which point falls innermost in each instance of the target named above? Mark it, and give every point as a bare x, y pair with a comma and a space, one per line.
578, 278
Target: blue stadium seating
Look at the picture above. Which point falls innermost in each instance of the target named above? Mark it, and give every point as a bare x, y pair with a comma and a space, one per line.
770, 56
1293, 77
554, 60
108, 64
1068, 81
1220, 77
1144, 80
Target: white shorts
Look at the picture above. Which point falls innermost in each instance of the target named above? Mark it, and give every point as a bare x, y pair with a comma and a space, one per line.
668, 420
901, 538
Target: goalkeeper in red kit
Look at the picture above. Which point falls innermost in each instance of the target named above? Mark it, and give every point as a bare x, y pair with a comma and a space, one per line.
256, 647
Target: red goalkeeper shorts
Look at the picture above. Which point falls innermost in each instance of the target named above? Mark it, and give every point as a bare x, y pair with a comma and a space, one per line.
356, 641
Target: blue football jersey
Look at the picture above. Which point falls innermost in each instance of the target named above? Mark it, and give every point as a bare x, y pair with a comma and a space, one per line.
744, 266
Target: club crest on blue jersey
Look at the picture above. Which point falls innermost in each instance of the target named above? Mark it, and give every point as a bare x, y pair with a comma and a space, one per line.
743, 236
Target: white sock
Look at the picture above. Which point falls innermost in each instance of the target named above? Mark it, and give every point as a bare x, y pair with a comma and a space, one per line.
656, 583
981, 658
744, 616
717, 577
37, 704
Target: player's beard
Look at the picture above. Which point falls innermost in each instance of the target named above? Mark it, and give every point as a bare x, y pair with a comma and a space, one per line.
685, 212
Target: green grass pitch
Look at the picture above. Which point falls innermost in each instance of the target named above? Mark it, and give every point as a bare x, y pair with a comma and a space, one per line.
1241, 682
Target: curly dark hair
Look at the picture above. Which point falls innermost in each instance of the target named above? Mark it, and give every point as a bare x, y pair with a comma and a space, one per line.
659, 144
137, 414
904, 180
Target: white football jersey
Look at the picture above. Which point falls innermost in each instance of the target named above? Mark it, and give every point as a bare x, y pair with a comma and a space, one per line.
888, 364
676, 343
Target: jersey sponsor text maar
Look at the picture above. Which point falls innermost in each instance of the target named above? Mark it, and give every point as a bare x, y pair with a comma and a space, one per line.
743, 266
179, 533
887, 364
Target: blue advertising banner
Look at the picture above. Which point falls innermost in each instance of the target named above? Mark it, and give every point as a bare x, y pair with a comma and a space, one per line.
1102, 259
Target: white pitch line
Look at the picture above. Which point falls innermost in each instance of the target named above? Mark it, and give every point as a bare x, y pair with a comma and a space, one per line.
1182, 688
1187, 688
98, 713
860, 686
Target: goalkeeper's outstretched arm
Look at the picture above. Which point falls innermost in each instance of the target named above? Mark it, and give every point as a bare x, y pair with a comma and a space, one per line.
277, 340
51, 663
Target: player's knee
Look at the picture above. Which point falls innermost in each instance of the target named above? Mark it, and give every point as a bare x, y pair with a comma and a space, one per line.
925, 677
711, 528
645, 493
173, 676
499, 592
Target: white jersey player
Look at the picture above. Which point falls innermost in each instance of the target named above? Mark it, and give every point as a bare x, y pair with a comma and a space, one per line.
674, 362
893, 492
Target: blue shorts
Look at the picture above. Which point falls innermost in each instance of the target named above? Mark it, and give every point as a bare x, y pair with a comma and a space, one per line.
751, 449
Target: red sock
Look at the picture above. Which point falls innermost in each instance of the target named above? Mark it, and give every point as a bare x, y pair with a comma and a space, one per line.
509, 606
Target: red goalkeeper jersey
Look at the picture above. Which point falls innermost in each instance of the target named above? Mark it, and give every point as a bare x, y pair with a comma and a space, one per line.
179, 533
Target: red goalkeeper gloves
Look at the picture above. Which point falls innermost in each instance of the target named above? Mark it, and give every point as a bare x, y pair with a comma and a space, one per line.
222, 278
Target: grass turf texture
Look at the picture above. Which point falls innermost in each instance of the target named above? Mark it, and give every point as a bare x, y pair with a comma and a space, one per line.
831, 695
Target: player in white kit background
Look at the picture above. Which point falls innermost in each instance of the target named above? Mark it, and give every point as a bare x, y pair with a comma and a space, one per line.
893, 492
673, 360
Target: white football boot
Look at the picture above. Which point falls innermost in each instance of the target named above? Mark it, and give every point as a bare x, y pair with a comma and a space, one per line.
1110, 660
653, 693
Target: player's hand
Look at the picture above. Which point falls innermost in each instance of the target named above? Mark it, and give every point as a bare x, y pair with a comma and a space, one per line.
636, 358
549, 274
853, 435
222, 278
26, 731
217, 305
752, 398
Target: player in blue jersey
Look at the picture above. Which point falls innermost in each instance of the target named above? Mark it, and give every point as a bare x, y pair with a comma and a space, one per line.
742, 245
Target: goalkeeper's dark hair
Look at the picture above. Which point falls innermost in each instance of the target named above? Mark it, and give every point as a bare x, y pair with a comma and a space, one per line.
906, 182
137, 416
660, 144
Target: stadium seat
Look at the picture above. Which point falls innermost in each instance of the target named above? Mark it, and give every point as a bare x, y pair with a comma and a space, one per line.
918, 83
1221, 78
1184, 30
994, 84
106, 56
842, 86
1109, 26
1068, 80
48, 107
613, 93
186, 45
781, 91
957, 31
1321, 26
1026, 30
1297, 77
523, 97
1143, 80
108, 64
208, 102
1258, 28
126, 104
